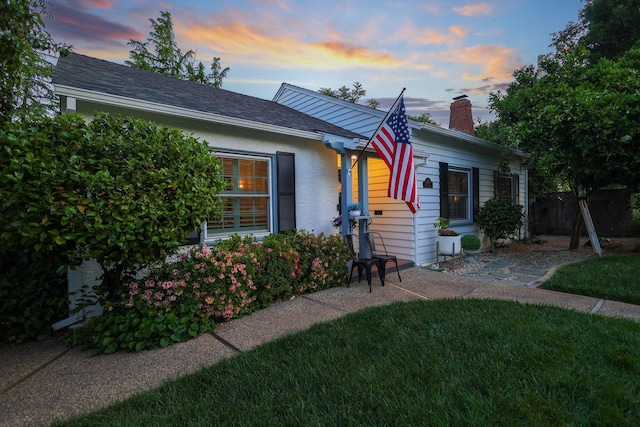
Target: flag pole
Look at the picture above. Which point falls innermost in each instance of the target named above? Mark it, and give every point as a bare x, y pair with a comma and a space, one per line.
379, 126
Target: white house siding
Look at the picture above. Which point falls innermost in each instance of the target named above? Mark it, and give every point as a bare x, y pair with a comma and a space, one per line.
456, 155
396, 222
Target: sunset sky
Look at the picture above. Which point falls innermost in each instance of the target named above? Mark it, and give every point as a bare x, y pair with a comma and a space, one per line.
437, 49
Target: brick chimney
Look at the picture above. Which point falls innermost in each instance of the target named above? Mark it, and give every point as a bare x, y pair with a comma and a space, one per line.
460, 117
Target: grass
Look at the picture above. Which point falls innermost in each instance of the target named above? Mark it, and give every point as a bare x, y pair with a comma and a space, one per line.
612, 277
445, 362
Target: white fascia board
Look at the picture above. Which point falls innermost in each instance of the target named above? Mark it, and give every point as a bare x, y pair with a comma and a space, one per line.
169, 110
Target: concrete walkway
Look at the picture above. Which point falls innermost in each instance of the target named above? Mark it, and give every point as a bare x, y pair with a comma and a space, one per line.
42, 381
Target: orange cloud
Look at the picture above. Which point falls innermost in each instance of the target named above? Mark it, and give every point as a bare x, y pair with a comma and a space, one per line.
429, 36
236, 42
459, 31
487, 61
474, 9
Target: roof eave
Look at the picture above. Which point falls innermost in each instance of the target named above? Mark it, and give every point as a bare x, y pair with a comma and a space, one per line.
153, 107
469, 138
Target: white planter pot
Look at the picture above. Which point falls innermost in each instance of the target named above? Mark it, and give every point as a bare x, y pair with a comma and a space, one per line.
447, 244
355, 213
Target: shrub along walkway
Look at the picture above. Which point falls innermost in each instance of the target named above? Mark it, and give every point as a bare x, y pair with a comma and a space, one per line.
43, 380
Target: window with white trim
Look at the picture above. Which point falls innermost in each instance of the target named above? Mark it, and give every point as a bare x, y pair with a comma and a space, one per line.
246, 197
507, 186
459, 191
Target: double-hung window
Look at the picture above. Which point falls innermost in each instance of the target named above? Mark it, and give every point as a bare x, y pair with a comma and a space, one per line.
459, 191
246, 197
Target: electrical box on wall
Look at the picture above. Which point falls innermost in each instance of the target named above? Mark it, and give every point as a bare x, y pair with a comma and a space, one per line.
377, 213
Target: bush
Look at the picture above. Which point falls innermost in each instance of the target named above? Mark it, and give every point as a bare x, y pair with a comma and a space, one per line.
123, 191
180, 300
499, 219
323, 261
470, 242
32, 297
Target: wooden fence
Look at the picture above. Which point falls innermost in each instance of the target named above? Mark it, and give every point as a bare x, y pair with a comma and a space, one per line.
610, 211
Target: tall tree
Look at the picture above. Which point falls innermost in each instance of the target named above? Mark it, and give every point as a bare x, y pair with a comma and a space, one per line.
160, 53
578, 112
25, 53
580, 121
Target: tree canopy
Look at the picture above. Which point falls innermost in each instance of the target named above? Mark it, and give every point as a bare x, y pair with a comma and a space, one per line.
160, 53
352, 95
25, 48
607, 28
578, 112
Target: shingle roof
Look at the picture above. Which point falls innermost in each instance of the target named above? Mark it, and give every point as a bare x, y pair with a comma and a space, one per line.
85, 72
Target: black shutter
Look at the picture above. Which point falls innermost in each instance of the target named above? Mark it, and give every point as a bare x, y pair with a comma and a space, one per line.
476, 192
444, 190
286, 188
516, 189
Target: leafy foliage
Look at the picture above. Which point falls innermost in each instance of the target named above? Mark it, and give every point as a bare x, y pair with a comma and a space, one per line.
167, 58
179, 300
123, 191
424, 118
32, 298
577, 113
499, 219
352, 95
24, 47
607, 28
580, 122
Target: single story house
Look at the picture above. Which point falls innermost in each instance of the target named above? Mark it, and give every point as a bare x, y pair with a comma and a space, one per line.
456, 172
289, 160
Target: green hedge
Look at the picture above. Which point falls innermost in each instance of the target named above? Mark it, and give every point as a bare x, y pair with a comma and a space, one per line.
32, 297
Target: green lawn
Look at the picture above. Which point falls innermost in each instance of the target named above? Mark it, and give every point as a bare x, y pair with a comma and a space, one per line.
612, 277
444, 362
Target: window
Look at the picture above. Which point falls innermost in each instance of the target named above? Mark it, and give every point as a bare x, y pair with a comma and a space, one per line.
506, 186
458, 195
246, 197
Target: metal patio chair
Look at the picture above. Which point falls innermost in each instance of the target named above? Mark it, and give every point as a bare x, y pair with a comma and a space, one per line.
362, 263
383, 255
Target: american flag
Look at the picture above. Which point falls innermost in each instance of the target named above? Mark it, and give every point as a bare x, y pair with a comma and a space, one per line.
393, 145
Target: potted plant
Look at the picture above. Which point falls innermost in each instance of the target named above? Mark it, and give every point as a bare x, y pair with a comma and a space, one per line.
448, 240
470, 243
355, 209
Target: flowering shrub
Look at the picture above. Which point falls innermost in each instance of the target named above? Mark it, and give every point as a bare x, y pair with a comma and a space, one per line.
324, 261
279, 269
180, 300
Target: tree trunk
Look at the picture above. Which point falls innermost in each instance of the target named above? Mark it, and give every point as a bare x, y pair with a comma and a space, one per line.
576, 229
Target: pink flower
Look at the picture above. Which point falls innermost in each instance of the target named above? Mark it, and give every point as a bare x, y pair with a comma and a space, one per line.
209, 300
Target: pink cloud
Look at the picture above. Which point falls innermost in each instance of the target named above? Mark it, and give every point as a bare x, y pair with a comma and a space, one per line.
474, 9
